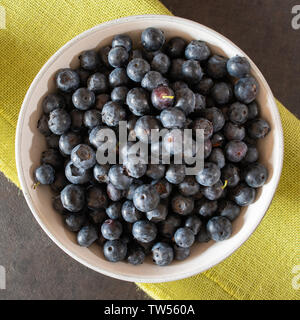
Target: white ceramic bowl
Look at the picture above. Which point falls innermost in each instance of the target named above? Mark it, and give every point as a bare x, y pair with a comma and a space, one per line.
30, 143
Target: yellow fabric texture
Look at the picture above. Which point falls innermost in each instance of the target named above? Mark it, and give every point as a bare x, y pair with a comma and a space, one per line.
262, 267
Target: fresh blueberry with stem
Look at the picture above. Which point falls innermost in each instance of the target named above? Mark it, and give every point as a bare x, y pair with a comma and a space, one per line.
144, 231
152, 39
162, 97
83, 156
162, 254
67, 80
44, 174
219, 228
146, 198
231, 174
97, 83
73, 198
59, 121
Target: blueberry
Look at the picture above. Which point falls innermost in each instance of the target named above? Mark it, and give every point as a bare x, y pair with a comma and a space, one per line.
209, 175
234, 131
229, 209
197, 50
119, 94
185, 100
118, 177
118, 77
137, 68
258, 129
214, 192
101, 100
135, 169
97, 216
152, 39
113, 113
243, 195
87, 236
219, 228
115, 250
143, 128
136, 255
118, 57
238, 67
59, 121
162, 254
205, 125
67, 80
184, 237
175, 71
122, 40
204, 86
53, 101
221, 92
113, 193
144, 231
73, 198
189, 186
182, 205
251, 155
59, 183
181, 253
155, 171
137, 101
83, 99
231, 173
235, 150
114, 210
89, 60
158, 214
218, 140
192, 71
152, 80
92, 118
96, 198
96, 139
253, 111
207, 148
175, 47
83, 156
200, 102
76, 120
111, 229
215, 116
52, 157
161, 62
130, 191
103, 54
77, 175
74, 222
203, 235
217, 156
101, 173
246, 89
45, 174
68, 141
206, 208
255, 175
130, 213
172, 118
216, 67
97, 83
175, 173
163, 187
168, 227
194, 223
146, 198
238, 113
162, 97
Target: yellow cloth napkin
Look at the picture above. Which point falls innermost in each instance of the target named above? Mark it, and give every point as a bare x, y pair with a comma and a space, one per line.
260, 269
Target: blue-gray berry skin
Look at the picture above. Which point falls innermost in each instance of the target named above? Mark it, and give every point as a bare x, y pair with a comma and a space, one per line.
77, 175
252, 155
204, 86
103, 54
83, 156
97, 83
219, 228
182, 205
114, 210
113, 113
143, 128
137, 68
152, 80
168, 227
185, 100
184, 237
122, 40
229, 209
59, 121
158, 214
231, 173
192, 71
175, 47
58, 206
130, 191
89, 60
205, 125
209, 175
130, 213
215, 116
74, 222
152, 39
118, 57
146, 198
175, 173
96, 198
113, 193
83, 99
92, 118
222, 92
53, 101
136, 255
43, 126
138, 101
203, 236
111, 229
243, 195
197, 50
52, 157
253, 110
238, 113
181, 253
87, 236
234, 131
172, 118
217, 156
67, 80
200, 103
100, 172
258, 128
144, 231
68, 141
206, 208
163, 187
161, 62
235, 150
119, 94
194, 223
118, 77
189, 186
238, 67
73, 198
162, 254
44, 174
156, 171
115, 250
118, 177
214, 192
217, 67
135, 169
255, 175
246, 89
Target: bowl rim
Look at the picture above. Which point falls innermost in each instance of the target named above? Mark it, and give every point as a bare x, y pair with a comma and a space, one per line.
24, 186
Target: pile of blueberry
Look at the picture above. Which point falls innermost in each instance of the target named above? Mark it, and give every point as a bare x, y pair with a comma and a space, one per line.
132, 210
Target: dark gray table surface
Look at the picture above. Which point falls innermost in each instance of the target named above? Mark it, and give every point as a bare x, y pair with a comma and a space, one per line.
35, 267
